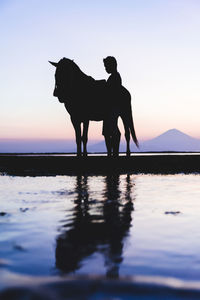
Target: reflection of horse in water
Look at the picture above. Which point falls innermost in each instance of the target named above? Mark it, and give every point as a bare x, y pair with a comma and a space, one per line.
102, 229
86, 99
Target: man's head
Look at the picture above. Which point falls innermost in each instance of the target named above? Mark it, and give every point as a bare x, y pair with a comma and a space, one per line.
110, 64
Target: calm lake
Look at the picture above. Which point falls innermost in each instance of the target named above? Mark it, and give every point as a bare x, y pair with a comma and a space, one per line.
113, 226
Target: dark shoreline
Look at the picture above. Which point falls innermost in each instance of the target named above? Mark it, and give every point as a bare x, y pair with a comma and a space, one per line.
50, 164
99, 287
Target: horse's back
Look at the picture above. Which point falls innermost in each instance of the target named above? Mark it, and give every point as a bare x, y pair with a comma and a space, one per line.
95, 100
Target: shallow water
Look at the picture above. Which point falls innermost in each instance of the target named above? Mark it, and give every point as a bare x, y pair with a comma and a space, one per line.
114, 226
103, 154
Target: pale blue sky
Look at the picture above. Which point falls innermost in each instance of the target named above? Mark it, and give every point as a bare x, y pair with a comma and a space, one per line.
156, 43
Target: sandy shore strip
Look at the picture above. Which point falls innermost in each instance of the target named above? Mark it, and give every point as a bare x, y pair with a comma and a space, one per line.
44, 165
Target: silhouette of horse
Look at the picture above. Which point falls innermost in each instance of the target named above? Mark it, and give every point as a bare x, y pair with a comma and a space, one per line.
87, 99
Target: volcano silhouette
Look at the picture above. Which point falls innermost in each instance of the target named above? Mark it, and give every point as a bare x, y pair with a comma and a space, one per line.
172, 140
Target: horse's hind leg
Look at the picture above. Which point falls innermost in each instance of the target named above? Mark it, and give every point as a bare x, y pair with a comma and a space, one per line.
127, 137
85, 137
106, 134
108, 144
116, 142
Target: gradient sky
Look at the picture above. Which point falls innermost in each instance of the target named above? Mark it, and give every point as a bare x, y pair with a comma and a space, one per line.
156, 43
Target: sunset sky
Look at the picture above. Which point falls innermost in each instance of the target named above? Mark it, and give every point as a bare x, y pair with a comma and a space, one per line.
156, 43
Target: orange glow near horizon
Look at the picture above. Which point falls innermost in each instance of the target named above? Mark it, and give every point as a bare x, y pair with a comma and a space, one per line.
65, 131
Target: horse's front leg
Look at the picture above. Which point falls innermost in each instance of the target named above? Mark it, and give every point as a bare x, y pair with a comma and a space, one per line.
85, 137
77, 128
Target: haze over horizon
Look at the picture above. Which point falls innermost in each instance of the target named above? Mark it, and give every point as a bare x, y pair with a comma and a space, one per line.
171, 140
156, 44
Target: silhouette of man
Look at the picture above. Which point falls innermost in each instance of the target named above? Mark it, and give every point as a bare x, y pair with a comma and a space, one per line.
110, 129
114, 81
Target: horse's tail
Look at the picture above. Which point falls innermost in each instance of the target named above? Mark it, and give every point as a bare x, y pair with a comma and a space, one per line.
127, 117
132, 129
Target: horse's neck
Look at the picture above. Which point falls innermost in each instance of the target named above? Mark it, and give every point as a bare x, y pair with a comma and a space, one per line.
81, 79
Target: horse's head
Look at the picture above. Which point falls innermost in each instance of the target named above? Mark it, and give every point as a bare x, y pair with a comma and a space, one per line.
63, 62
63, 78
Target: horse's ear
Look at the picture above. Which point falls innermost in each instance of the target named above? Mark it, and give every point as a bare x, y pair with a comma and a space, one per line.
53, 63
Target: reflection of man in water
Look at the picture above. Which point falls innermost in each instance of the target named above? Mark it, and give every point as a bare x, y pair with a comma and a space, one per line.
110, 129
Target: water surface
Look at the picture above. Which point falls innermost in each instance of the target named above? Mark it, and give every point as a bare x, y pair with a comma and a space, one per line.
114, 226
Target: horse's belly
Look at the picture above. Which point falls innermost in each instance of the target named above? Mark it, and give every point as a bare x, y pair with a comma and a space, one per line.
96, 116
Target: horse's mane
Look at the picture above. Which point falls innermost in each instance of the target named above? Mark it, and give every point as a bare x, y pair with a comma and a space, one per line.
65, 63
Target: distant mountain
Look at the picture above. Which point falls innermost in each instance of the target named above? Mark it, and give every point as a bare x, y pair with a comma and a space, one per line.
172, 140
